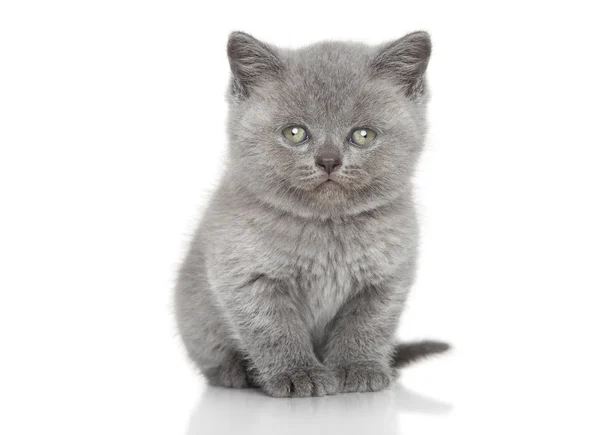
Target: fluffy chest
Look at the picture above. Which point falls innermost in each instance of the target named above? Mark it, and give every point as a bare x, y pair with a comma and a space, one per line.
325, 282
322, 264
330, 263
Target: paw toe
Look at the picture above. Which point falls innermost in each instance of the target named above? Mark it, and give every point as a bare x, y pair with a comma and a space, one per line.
304, 382
361, 377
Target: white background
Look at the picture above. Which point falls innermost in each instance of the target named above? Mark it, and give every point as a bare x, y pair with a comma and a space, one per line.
112, 135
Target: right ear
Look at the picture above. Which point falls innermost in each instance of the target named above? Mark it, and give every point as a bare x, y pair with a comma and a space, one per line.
405, 61
251, 62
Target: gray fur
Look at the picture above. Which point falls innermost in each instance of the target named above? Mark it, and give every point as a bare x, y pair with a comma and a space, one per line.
292, 284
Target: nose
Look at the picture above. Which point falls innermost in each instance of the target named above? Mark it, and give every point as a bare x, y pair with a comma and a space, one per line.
329, 161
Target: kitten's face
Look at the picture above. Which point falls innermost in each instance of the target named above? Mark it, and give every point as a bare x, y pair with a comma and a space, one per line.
328, 130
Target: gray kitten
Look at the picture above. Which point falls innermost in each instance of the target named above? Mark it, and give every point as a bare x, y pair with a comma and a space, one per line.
298, 273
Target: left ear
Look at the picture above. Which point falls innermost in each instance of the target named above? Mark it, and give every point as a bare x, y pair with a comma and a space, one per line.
405, 61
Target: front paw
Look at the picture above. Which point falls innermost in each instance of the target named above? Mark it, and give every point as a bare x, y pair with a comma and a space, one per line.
301, 382
364, 376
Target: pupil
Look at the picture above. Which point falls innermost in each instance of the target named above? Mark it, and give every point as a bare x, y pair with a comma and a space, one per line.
363, 133
294, 131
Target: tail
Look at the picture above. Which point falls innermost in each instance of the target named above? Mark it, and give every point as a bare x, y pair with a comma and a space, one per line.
407, 353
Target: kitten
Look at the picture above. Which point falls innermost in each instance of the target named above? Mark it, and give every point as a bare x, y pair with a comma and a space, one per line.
298, 273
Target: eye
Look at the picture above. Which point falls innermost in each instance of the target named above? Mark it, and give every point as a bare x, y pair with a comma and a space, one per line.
362, 136
295, 134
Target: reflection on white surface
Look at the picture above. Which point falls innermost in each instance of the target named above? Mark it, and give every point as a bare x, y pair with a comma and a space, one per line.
228, 411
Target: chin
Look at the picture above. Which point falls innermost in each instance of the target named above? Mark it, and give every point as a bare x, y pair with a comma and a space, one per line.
321, 200
330, 190
329, 186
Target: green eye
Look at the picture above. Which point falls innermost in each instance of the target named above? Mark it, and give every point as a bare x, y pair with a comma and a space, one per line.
362, 136
295, 134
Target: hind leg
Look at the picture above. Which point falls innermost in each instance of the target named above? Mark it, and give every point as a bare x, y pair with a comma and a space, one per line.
204, 332
212, 350
231, 372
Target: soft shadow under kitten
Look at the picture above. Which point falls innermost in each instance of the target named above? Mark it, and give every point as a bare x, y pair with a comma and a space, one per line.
300, 268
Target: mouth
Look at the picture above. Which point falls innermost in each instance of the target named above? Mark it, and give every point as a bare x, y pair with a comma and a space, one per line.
327, 183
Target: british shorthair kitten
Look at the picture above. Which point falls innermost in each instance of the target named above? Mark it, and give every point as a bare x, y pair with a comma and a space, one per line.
300, 268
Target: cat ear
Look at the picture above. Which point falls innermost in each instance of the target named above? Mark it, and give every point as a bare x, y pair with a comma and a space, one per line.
251, 62
405, 60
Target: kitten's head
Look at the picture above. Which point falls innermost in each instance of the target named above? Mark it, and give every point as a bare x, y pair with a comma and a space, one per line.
330, 129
